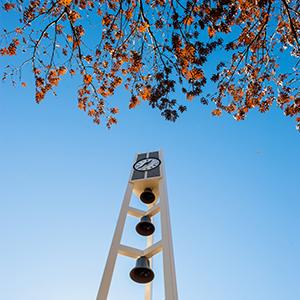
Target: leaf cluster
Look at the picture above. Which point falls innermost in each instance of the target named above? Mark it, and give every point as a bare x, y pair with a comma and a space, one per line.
154, 47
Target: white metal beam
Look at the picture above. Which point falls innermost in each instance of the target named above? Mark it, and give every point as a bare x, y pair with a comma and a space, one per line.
153, 210
138, 213
115, 245
167, 244
130, 251
153, 249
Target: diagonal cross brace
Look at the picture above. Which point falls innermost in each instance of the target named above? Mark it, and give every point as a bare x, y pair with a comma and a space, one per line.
136, 253
138, 213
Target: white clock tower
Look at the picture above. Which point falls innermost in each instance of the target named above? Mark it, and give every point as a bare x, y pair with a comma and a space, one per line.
148, 181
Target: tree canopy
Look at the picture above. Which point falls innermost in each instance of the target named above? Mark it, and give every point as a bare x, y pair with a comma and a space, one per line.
247, 51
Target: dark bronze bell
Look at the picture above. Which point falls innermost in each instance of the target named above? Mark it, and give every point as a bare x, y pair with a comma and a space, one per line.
147, 196
145, 227
142, 272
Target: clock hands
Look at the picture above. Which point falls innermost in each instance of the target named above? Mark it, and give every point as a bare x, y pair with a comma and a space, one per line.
145, 164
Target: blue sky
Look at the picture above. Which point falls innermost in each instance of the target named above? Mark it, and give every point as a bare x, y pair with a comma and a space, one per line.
233, 190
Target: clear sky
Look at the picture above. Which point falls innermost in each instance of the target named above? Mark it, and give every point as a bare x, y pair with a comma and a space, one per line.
233, 191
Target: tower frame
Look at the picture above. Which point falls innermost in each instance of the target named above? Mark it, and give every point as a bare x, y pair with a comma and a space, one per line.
137, 182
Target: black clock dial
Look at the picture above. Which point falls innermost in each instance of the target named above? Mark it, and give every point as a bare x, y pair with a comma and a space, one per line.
147, 164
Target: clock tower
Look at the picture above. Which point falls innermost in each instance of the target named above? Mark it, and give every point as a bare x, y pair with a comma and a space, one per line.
148, 182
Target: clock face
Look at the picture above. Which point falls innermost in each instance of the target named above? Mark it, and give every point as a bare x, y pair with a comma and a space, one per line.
147, 164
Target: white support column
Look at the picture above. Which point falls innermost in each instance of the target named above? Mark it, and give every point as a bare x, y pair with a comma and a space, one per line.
148, 287
115, 246
167, 243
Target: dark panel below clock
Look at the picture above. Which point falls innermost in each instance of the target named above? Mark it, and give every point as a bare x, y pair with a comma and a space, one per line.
137, 175
154, 172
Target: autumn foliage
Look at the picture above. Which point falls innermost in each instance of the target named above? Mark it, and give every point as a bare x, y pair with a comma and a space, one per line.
248, 49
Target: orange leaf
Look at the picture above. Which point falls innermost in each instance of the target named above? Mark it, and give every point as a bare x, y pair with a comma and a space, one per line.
74, 16
23, 84
217, 112
39, 81
81, 105
129, 13
91, 112
134, 101
107, 19
114, 110
64, 2
39, 96
190, 96
8, 6
196, 74
143, 27
19, 30
188, 20
211, 31
62, 71
69, 38
145, 93
87, 78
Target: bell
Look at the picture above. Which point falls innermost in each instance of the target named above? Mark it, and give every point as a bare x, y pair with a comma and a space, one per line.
145, 227
147, 196
142, 272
